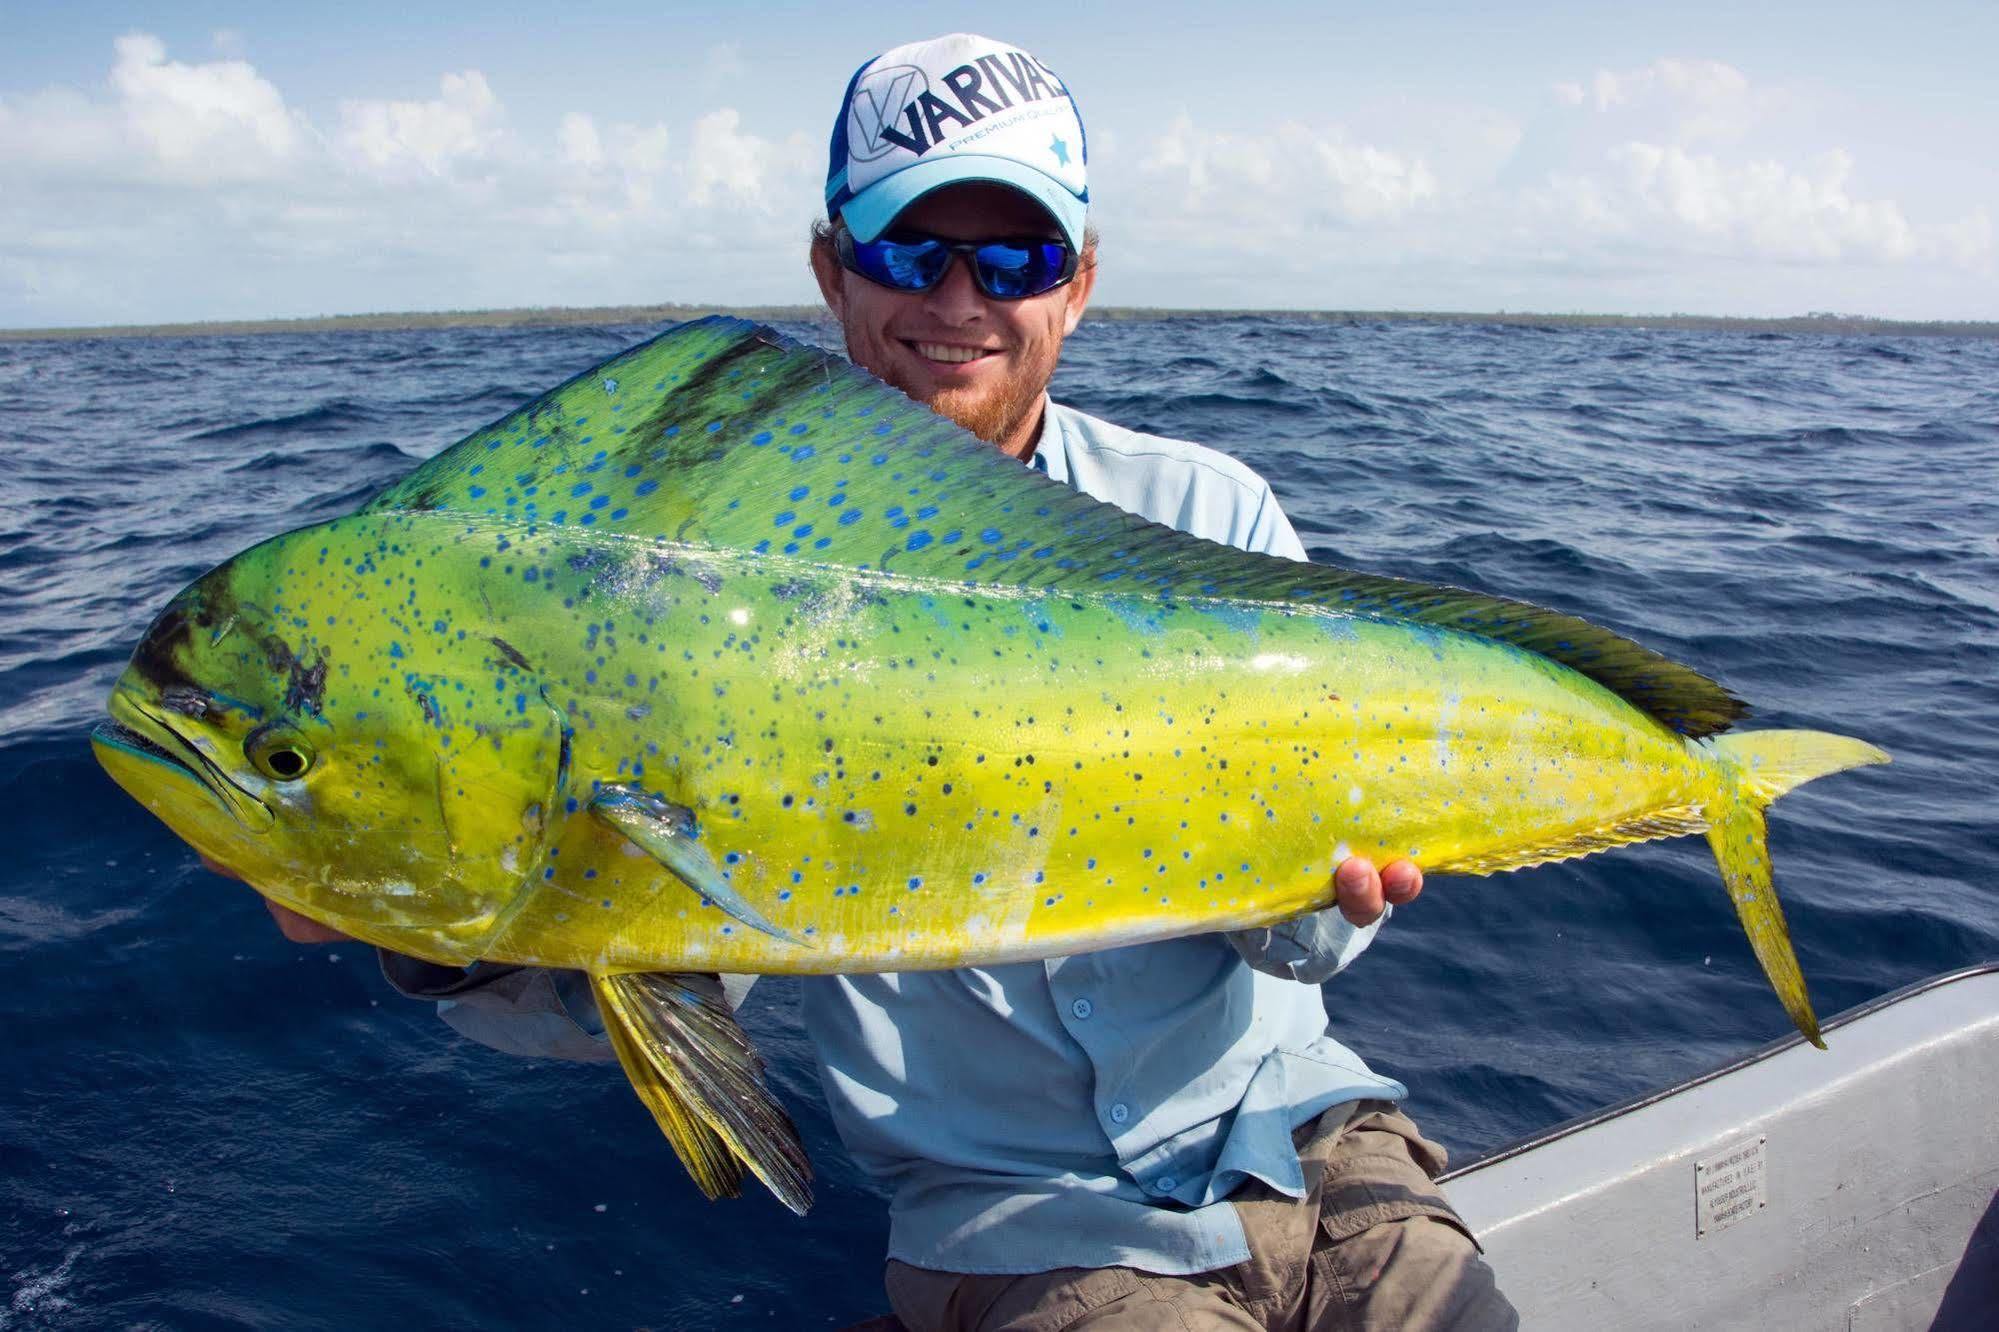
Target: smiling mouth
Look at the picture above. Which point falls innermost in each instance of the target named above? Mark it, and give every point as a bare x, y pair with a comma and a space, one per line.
949, 354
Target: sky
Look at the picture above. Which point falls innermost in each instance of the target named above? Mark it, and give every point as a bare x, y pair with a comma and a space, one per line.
229, 161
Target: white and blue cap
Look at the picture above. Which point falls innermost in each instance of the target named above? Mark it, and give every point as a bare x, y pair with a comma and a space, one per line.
953, 109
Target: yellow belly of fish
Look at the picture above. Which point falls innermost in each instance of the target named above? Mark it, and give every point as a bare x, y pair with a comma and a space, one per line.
1128, 791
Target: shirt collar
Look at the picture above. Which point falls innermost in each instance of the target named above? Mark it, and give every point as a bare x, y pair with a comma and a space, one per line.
1051, 454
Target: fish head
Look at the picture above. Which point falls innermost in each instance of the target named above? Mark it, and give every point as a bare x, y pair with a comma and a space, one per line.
397, 787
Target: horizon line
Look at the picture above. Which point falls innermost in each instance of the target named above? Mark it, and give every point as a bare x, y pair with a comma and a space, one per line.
555, 316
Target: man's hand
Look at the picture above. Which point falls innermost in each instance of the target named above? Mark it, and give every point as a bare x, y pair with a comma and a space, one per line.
304, 929
297, 928
1363, 894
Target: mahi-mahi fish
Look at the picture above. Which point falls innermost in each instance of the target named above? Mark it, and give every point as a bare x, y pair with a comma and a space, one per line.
723, 657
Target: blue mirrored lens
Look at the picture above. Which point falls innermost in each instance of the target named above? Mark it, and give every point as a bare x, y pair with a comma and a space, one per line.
1012, 271
904, 265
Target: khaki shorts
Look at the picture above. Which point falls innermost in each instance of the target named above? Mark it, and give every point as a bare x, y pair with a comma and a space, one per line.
1374, 1244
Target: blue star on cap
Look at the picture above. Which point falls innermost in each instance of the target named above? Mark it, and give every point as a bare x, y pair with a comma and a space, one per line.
1059, 148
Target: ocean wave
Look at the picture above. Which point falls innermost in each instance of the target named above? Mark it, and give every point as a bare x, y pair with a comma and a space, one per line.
370, 456
322, 418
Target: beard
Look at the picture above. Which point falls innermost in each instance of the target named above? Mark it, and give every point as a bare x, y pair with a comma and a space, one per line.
993, 414
996, 415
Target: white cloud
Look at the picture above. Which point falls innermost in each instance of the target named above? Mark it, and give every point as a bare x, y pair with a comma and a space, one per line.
1699, 82
642, 149
190, 190
1681, 177
1666, 159
581, 144
723, 161
60, 131
1681, 100
395, 139
1315, 173
208, 121
1967, 242
1763, 207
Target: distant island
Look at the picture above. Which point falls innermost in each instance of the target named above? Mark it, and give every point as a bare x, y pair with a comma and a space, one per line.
1817, 322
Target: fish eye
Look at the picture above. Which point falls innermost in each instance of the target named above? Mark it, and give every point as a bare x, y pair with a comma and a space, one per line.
279, 753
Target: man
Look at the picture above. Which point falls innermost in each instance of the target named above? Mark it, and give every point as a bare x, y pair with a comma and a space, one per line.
1156, 1136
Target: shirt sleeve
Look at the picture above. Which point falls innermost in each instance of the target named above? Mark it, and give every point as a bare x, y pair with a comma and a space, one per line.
534, 1011
1271, 533
1311, 949
540, 1012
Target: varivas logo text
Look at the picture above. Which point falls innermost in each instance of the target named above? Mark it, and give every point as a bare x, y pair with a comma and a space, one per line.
896, 106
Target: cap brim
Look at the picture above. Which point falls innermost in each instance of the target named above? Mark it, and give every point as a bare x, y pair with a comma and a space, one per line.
869, 213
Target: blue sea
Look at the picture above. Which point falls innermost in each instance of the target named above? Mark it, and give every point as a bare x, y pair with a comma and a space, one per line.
203, 1126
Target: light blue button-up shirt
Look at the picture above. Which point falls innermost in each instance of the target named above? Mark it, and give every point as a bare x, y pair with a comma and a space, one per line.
1097, 1110
1085, 1111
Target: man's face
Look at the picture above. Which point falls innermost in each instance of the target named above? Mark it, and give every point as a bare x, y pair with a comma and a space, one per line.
983, 363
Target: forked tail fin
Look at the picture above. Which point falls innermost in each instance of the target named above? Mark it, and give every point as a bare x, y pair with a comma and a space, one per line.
1765, 765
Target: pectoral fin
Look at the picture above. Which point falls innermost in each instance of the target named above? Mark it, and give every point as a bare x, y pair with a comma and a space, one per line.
694, 1068
668, 833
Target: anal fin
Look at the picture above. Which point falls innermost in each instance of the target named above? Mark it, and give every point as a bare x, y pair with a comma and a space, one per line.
694, 1068
1678, 821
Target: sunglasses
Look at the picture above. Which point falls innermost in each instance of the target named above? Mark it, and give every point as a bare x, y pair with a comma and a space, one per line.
1006, 270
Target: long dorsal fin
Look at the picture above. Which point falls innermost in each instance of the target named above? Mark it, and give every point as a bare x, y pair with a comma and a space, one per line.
725, 433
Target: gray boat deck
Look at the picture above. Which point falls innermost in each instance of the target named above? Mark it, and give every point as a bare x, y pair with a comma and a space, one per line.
1852, 1188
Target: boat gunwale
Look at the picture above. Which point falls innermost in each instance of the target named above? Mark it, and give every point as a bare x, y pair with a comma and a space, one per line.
1593, 1118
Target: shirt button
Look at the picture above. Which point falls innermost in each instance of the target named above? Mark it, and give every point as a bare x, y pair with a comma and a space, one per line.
1120, 1112
1082, 1008
1165, 1184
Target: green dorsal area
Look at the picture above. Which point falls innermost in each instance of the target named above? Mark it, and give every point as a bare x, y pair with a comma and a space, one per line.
726, 433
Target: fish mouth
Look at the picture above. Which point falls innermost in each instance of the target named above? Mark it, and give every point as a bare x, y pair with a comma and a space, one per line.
135, 729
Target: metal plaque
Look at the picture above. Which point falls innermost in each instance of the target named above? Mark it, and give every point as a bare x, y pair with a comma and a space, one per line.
1730, 1185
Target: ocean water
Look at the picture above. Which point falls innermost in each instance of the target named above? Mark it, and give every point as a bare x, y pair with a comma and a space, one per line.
204, 1126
